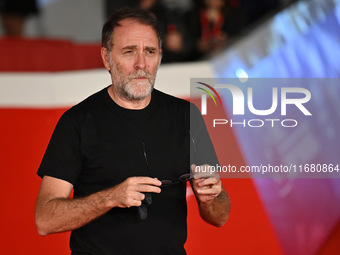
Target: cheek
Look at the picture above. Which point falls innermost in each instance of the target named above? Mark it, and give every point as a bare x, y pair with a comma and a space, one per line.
122, 70
126, 69
153, 68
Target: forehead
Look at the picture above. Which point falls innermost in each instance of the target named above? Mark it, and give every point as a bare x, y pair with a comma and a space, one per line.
132, 32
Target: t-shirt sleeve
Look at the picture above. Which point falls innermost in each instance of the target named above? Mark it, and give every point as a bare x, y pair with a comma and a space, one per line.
62, 158
201, 149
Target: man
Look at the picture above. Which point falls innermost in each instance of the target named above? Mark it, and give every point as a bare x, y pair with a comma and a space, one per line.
116, 147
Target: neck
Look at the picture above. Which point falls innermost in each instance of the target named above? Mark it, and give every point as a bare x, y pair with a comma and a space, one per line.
128, 103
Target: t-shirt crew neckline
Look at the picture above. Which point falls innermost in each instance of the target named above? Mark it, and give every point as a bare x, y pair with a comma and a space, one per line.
131, 112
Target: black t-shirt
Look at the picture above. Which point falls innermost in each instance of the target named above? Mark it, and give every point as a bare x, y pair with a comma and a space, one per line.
98, 144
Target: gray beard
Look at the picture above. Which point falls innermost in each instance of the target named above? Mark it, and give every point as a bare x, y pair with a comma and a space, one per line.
125, 92
125, 89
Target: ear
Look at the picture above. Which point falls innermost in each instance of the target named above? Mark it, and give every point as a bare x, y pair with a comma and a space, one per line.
105, 57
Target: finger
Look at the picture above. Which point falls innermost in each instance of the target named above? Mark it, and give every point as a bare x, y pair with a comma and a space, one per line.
136, 199
146, 180
202, 182
148, 188
139, 196
208, 182
206, 175
133, 202
204, 171
214, 191
199, 169
202, 175
196, 185
193, 166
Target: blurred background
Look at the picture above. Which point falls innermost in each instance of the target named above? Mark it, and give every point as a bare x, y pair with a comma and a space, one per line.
50, 60
191, 28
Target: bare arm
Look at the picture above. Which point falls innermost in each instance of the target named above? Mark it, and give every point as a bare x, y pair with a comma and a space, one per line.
56, 212
212, 199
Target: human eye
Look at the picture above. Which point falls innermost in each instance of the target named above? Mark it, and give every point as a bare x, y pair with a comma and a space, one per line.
151, 52
127, 52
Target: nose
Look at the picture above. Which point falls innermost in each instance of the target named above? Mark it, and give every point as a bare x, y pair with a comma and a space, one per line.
140, 61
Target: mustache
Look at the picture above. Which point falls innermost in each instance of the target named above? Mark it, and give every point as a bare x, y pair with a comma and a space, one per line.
141, 74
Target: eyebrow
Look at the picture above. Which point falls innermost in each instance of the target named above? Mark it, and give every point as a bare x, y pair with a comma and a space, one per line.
130, 47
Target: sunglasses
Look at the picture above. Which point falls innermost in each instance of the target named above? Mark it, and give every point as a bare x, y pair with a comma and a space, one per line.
181, 179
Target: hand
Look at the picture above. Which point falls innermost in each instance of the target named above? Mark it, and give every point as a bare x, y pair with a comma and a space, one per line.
206, 185
130, 192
